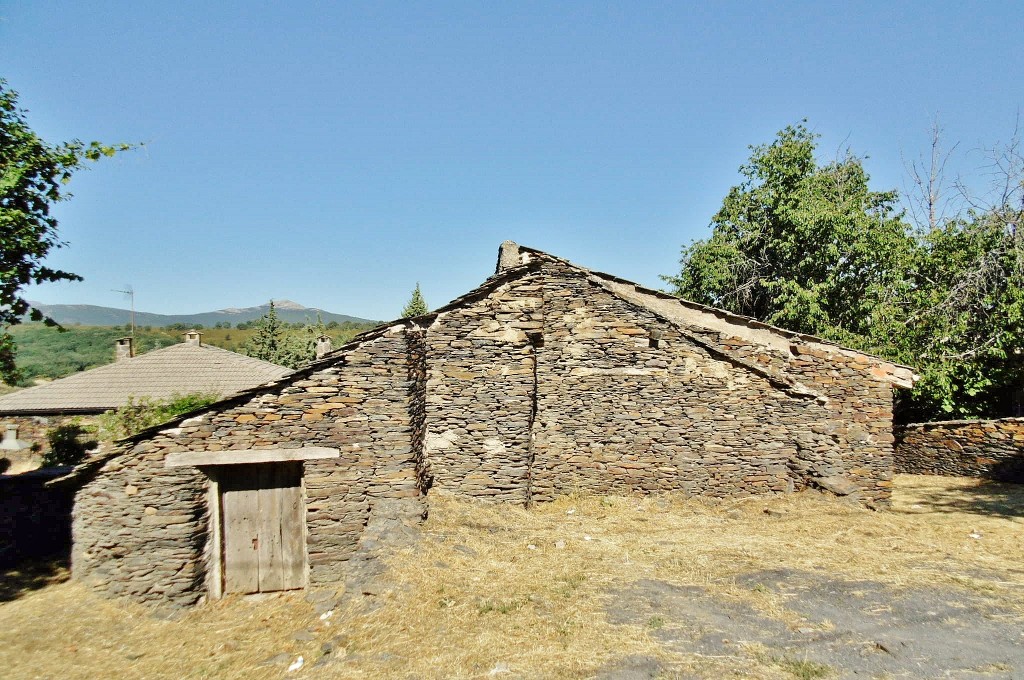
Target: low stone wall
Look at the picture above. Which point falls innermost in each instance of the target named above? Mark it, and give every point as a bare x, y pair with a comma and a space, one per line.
992, 449
35, 520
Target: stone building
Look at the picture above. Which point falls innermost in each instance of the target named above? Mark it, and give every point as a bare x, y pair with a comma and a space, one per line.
548, 378
27, 415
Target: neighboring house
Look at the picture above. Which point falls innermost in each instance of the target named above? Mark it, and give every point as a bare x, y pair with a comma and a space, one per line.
27, 415
547, 379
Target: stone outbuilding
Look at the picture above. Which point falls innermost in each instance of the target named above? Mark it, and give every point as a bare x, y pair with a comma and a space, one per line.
547, 379
182, 368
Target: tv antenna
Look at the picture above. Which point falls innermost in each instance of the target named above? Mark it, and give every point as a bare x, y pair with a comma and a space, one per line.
130, 292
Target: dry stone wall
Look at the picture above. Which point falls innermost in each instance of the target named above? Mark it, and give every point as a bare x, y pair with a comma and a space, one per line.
139, 529
991, 449
551, 384
479, 393
849, 438
627, 403
543, 382
142, 530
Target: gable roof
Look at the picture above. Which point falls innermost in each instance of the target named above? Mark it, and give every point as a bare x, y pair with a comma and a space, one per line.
687, 314
179, 369
515, 261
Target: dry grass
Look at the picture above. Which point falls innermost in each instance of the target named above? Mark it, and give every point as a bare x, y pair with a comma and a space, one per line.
475, 597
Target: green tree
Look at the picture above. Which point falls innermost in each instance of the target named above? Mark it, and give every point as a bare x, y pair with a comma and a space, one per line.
33, 175
299, 346
265, 344
965, 326
809, 247
416, 305
804, 245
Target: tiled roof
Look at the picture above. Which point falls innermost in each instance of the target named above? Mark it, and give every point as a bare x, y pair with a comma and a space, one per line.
178, 369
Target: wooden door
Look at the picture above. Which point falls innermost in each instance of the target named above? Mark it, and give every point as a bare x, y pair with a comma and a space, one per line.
262, 527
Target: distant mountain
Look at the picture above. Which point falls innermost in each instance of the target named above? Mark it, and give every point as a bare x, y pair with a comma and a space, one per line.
91, 315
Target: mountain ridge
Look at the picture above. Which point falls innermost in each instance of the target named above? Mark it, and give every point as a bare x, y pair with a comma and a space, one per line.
96, 315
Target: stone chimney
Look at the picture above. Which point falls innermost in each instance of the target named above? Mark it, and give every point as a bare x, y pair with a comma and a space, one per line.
323, 346
124, 349
508, 256
193, 337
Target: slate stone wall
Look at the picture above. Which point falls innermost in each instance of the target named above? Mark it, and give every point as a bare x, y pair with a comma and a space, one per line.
541, 384
553, 384
479, 394
849, 435
627, 403
991, 449
142, 530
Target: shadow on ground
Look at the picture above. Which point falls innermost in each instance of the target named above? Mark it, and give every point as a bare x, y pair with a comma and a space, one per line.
32, 575
987, 498
842, 628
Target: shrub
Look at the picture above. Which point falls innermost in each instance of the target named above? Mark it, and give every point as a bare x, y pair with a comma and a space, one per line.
66, 445
138, 415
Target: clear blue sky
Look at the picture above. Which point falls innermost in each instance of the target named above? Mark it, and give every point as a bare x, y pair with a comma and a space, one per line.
335, 154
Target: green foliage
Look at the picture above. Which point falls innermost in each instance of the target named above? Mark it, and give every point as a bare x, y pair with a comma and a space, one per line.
967, 326
811, 248
266, 343
67, 446
291, 345
805, 246
33, 174
145, 412
416, 305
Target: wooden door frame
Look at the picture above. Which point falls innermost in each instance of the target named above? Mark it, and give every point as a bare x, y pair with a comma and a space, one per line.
215, 554
211, 462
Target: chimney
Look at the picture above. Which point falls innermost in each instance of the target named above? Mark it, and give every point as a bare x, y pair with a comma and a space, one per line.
193, 337
323, 346
124, 349
11, 441
508, 256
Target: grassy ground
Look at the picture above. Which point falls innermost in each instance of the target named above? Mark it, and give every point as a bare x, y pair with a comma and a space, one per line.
494, 589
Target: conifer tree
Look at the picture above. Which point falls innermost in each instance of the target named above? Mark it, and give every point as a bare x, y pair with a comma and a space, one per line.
266, 343
416, 305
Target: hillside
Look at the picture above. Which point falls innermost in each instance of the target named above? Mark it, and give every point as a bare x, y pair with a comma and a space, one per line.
92, 315
46, 353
